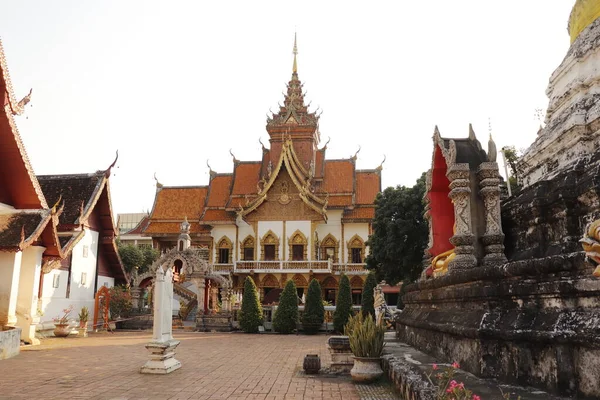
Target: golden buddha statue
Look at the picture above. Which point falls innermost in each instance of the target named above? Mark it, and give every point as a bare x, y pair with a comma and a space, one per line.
591, 245
440, 263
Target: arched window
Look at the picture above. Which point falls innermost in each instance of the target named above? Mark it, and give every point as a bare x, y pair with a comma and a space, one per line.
248, 249
224, 251
356, 250
329, 248
298, 246
269, 247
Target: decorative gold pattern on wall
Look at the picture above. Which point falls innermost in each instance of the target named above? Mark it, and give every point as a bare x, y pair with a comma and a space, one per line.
329, 283
269, 238
300, 281
356, 242
270, 281
292, 209
356, 282
298, 238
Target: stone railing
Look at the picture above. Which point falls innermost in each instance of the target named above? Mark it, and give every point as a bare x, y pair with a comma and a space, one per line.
223, 267
282, 265
354, 269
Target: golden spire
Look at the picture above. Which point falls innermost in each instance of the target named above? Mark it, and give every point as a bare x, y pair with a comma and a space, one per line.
584, 12
295, 67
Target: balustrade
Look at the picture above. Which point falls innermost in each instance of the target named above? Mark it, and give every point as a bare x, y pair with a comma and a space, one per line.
314, 265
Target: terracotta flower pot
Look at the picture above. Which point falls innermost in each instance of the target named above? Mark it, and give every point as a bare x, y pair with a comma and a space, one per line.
366, 370
61, 330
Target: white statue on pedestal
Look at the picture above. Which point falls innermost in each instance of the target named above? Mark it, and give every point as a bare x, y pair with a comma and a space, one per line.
162, 347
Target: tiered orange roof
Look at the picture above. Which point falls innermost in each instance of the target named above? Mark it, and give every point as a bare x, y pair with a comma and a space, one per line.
294, 139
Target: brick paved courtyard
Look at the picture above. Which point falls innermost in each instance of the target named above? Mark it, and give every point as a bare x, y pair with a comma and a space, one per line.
214, 366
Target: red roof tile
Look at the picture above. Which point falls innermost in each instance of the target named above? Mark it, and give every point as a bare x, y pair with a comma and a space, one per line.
339, 176
246, 177
158, 227
176, 203
361, 213
368, 184
339, 201
219, 190
218, 215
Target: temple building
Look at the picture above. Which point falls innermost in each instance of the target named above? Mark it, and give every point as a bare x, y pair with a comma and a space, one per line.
57, 238
291, 214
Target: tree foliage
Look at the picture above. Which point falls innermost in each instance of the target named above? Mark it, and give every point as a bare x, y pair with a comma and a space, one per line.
251, 315
286, 316
131, 256
399, 233
314, 312
343, 304
368, 301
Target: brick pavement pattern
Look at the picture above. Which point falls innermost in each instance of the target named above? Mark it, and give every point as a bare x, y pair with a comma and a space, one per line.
214, 366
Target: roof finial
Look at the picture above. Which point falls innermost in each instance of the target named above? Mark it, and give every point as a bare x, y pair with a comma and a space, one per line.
490, 127
295, 67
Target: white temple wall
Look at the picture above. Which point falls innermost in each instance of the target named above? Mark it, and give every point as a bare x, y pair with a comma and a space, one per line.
10, 268
29, 284
246, 230
217, 233
83, 273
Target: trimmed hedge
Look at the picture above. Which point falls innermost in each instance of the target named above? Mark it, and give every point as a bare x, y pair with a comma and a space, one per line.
314, 312
343, 304
368, 301
251, 314
286, 316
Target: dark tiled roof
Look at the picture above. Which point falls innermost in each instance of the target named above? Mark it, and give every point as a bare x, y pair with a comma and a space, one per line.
12, 225
76, 191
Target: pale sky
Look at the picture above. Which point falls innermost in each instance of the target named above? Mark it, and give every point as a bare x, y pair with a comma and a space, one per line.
171, 84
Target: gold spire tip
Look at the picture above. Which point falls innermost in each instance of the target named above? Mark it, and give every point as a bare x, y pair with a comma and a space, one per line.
295, 67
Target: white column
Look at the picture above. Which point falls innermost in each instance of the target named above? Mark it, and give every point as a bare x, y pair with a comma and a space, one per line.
27, 299
10, 269
158, 300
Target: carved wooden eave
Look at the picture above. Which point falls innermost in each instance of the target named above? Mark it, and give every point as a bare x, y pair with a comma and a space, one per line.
302, 182
14, 107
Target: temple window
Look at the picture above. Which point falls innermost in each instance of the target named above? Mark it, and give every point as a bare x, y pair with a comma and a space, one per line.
224, 251
269, 252
329, 248
248, 249
269, 247
297, 252
223, 256
356, 250
298, 246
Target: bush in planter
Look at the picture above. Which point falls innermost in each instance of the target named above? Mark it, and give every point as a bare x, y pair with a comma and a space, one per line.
343, 304
120, 304
366, 336
314, 312
286, 316
250, 315
368, 301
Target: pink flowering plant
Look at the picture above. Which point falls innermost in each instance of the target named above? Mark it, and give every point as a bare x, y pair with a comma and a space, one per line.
64, 319
447, 387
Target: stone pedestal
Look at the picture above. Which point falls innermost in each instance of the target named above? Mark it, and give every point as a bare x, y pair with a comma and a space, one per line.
162, 360
217, 322
342, 359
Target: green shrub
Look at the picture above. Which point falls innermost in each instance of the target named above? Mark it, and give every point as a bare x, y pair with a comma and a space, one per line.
314, 312
251, 316
286, 316
368, 301
365, 336
343, 304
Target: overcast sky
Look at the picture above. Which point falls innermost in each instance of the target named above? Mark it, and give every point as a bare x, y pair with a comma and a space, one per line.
171, 84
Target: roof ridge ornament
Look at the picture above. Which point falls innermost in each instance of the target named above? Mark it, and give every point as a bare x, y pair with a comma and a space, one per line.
158, 184
355, 156
235, 160
380, 167
492, 150
107, 172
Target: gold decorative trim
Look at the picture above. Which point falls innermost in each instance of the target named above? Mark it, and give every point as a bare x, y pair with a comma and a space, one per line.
327, 242
298, 238
269, 238
225, 243
356, 242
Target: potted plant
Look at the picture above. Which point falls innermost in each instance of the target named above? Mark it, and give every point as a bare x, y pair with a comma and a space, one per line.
61, 324
366, 342
84, 315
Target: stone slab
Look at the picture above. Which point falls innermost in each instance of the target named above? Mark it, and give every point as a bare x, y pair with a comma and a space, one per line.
10, 342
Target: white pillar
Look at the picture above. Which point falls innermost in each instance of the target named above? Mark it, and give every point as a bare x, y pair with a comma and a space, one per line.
10, 269
27, 299
162, 347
